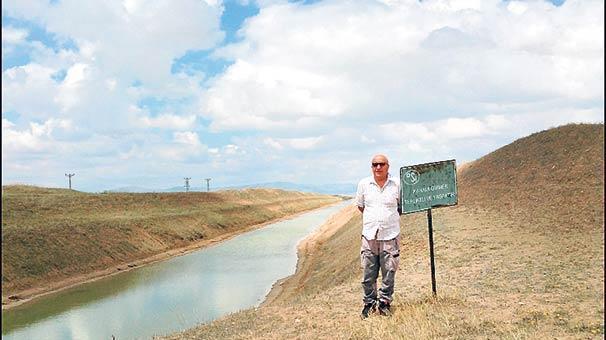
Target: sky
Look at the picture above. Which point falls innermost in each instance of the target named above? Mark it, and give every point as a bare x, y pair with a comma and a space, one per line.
146, 93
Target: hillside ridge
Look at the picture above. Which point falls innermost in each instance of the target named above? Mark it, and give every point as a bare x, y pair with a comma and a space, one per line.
557, 173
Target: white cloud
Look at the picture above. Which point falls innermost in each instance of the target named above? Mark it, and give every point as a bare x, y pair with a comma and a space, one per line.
293, 143
111, 84
517, 7
29, 89
304, 143
188, 138
328, 83
273, 143
37, 138
132, 6
367, 140
136, 40
454, 6
185, 145
69, 91
116, 45
7, 124
169, 121
231, 149
11, 35
340, 60
446, 131
456, 128
135, 152
251, 90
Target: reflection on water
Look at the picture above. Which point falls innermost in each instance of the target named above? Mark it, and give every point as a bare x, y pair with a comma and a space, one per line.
172, 295
79, 296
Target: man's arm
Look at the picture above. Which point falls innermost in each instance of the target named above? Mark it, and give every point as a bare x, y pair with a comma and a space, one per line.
360, 197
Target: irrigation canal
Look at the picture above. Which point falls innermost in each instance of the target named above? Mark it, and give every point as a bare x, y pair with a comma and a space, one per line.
172, 295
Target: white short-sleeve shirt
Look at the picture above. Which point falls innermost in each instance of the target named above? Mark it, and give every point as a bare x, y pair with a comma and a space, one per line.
380, 219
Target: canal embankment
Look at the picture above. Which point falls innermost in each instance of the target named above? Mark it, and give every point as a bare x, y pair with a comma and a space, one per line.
178, 293
53, 239
308, 255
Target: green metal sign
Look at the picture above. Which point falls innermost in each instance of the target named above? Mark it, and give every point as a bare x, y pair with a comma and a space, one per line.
429, 185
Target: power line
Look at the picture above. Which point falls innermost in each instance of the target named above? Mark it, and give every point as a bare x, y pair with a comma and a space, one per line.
70, 180
208, 184
187, 183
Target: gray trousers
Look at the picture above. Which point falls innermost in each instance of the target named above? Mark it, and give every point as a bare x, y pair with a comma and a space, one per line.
375, 255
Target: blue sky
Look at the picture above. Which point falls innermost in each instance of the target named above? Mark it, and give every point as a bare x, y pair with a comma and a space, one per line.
145, 93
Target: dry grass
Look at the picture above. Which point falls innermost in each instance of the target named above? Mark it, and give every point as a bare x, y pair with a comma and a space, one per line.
50, 235
551, 177
512, 266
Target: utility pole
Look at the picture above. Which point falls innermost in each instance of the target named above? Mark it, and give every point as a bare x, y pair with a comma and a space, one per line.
208, 184
187, 183
70, 180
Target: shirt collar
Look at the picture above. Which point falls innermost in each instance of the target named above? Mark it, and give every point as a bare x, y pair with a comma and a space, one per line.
371, 179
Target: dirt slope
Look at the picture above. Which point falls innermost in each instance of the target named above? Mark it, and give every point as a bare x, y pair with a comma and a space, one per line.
552, 176
520, 257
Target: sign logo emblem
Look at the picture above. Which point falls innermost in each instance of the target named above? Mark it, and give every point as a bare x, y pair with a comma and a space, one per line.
411, 177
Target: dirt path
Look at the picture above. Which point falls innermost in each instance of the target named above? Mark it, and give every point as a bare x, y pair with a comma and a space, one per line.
28, 295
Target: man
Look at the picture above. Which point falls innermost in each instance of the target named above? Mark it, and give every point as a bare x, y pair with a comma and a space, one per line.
378, 199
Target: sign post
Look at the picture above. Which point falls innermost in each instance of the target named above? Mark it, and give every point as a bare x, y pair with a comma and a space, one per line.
431, 257
426, 186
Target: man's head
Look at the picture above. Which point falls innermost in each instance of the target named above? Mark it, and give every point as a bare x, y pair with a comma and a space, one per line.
379, 166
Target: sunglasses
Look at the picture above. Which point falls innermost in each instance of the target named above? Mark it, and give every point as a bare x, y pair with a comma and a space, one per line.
374, 165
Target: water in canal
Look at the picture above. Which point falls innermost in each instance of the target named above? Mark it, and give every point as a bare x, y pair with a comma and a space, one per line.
172, 295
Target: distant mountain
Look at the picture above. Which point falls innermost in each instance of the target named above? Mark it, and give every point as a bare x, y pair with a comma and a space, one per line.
332, 188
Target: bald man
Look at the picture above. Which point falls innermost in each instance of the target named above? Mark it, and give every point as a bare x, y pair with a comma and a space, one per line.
378, 199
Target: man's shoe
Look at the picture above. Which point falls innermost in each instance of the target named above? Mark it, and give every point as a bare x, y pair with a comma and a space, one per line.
384, 308
369, 307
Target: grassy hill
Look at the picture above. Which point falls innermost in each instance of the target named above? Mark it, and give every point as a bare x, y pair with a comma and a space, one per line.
51, 237
520, 257
554, 176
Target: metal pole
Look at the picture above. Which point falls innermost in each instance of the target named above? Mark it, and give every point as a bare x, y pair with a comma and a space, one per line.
70, 180
432, 261
208, 184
